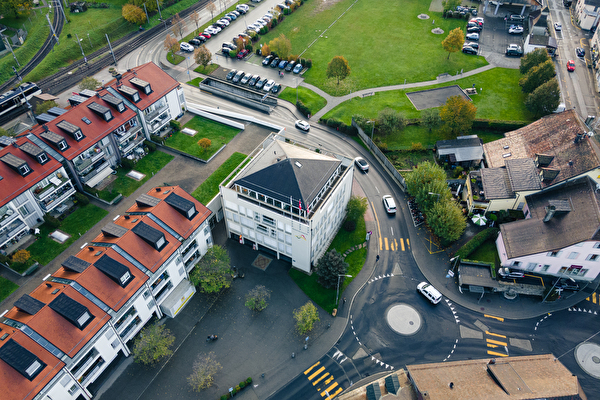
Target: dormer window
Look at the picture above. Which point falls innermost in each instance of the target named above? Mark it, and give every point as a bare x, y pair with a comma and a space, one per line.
24, 170
150, 235
73, 311
114, 270
16, 163
34, 151
113, 101
71, 129
102, 111
142, 85
129, 92
54, 138
62, 145
21, 360
42, 158
183, 206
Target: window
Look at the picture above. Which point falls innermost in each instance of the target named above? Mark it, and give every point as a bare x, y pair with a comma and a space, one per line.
24, 210
554, 253
78, 136
531, 266
83, 319
516, 263
573, 255
125, 278
42, 158
592, 257
33, 367
562, 270
62, 145
24, 170
146, 294
545, 268
597, 245
583, 271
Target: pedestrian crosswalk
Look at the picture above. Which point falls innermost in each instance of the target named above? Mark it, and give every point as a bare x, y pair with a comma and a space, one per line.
498, 343
394, 244
323, 381
594, 298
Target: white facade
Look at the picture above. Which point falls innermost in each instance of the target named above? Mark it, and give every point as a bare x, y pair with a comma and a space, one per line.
157, 116
587, 14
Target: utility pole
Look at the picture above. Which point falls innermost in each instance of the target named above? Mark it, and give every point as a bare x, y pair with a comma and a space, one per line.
11, 49
159, 13
81, 48
52, 29
111, 49
62, 10
147, 18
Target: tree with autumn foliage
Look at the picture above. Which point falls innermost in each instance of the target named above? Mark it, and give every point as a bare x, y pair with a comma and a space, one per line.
133, 14
204, 143
171, 44
454, 41
457, 114
338, 68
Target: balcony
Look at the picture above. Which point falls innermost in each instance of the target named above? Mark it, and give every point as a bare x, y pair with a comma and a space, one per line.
128, 147
189, 263
57, 197
157, 111
124, 136
476, 193
135, 322
11, 231
95, 172
188, 249
88, 158
7, 215
158, 124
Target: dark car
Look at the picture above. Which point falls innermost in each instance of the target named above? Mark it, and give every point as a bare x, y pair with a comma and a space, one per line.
475, 29
195, 42
469, 50
231, 74
225, 50
238, 76
298, 68
201, 38
580, 52
254, 79
290, 66
268, 59
220, 24
261, 83
473, 23
275, 62
474, 45
276, 88
282, 64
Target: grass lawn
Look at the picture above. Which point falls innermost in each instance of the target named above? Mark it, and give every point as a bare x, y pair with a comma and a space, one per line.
174, 59
219, 134
406, 159
80, 221
486, 253
379, 39
501, 99
313, 101
208, 70
344, 240
195, 82
210, 187
6, 288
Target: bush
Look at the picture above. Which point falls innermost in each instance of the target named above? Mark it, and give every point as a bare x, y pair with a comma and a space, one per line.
82, 199
224, 397
477, 241
501, 126
151, 146
242, 385
349, 225
52, 222
175, 125
127, 163
308, 63
417, 147
302, 108
249, 380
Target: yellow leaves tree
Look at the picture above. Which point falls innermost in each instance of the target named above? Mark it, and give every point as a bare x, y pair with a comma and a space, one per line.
281, 46
265, 50
133, 14
171, 44
454, 41
195, 17
457, 114
338, 68
178, 26
212, 9
202, 56
204, 143
21, 256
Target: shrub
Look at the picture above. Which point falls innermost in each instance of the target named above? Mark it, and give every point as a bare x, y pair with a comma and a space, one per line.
476, 241
52, 222
204, 143
417, 147
349, 225
21, 256
224, 397
309, 63
242, 385
127, 163
4, 259
237, 388
175, 125
82, 199
151, 146
302, 108
249, 380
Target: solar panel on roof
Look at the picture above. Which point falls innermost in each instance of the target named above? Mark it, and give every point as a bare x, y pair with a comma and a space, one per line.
43, 118
21, 359
73, 311
392, 384
31, 149
130, 92
114, 230
57, 111
75, 264
145, 200
12, 161
114, 270
373, 392
28, 304
113, 101
183, 206
150, 235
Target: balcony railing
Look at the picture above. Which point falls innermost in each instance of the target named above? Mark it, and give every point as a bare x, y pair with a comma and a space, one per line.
152, 115
158, 125
57, 198
123, 136
95, 172
11, 231
8, 216
131, 145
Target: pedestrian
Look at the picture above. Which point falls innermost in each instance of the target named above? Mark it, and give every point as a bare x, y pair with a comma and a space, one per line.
344, 300
377, 258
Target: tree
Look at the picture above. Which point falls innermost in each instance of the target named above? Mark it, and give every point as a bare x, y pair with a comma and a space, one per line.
89, 82
150, 5
545, 99
204, 143
3, 132
458, 114
45, 106
329, 267
450, 4
390, 121
454, 41
203, 56
171, 44
338, 68
447, 220
256, 299
212, 9
133, 14
21, 256
213, 271
203, 372
532, 59
356, 208
15, 8
427, 182
195, 17
281, 46
153, 344
305, 317
178, 26
430, 118
537, 76
265, 50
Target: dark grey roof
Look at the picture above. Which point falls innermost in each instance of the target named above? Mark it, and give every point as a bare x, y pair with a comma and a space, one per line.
464, 148
76, 99
73, 311
69, 128
88, 93
141, 84
57, 111
392, 384
461, 141
12, 161
44, 117
475, 274
523, 175
145, 200
496, 183
114, 270
151, 235
374, 391
595, 3
21, 359
75, 264
130, 92
183, 206
113, 101
113, 229
286, 179
101, 110
28, 304
52, 137
31, 149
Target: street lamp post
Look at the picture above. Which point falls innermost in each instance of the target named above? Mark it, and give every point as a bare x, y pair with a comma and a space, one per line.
337, 295
552, 288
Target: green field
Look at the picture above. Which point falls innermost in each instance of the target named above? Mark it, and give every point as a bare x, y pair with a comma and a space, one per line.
6, 288
313, 101
210, 187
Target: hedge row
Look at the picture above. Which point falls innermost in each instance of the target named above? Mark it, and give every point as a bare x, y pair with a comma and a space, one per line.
477, 241
302, 108
340, 126
236, 389
495, 125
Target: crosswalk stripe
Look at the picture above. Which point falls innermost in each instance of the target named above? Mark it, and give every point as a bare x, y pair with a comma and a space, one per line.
402, 243
496, 342
332, 395
392, 245
314, 365
317, 372
594, 297
320, 378
492, 316
495, 334
396, 244
380, 243
330, 388
386, 243
328, 380
407, 243
493, 353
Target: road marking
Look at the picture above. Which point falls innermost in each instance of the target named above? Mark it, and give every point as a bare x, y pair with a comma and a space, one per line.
396, 244
402, 243
392, 242
328, 380
495, 334
329, 389
321, 378
314, 365
494, 342
317, 372
378, 228
493, 353
332, 395
491, 316
492, 345
386, 243
407, 243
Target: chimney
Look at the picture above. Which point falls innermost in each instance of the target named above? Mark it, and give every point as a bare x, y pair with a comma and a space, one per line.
550, 211
45, 128
118, 77
579, 137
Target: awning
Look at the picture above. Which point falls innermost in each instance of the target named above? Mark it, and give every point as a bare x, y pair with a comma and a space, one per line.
99, 177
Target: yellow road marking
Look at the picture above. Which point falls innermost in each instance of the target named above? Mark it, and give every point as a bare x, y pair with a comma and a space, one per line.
377, 220
317, 372
495, 334
332, 395
491, 316
402, 243
380, 244
328, 380
386, 243
314, 365
493, 353
392, 245
491, 341
492, 345
330, 388
396, 244
594, 297
321, 378
407, 243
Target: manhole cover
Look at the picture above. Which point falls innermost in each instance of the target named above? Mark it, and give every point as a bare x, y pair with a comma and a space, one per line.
262, 262
404, 319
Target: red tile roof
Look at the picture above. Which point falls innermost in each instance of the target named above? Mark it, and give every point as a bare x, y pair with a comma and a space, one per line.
94, 132
136, 247
12, 183
160, 82
54, 327
170, 215
14, 385
98, 283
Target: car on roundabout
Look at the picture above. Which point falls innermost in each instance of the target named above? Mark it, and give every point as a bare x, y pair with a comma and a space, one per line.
430, 293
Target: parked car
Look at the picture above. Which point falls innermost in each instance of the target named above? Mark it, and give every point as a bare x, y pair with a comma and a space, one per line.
557, 27
226, 20
276, 88
479, 20
186, 47
275, 62
298, 68
232, 16
362, 164
220, 24
389, 204
260, 22
206, 35
514, 50
302, 125
243, 8
474, 45
235, 12
508, 273
269, 85
238, 76
253, 80
201, 38
431, 293
580, 52
472, 29
253, 28
469, 50
570, 65
290, 66
227, 17
282, 64
246, 78
231, 74
210, 31
242, 54
268, 59
267, 17
229, 45
566, 284
283, 7
195, 42
514, 17
473, 36
261, 83
515, 29
217, 28
226, 51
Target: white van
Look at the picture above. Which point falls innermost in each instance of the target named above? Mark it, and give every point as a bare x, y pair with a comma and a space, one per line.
429, 292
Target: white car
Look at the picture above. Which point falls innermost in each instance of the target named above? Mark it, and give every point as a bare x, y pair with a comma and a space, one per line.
211, 31
302, 124
224, 22
515, 29
362, 164
268, 16
479, 20
389, 204
473, 36
186, 47
429, 292
557, 27
253, 28
243, 8
269, 85
260, 22
508, 273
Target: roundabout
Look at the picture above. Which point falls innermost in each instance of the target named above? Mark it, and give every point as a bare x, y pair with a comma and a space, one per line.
403, 319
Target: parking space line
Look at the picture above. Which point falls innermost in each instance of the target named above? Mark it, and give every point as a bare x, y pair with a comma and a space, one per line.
396, 244
332, 395
407, 243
